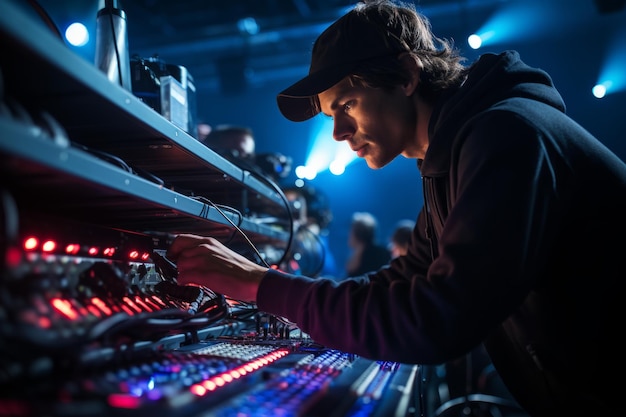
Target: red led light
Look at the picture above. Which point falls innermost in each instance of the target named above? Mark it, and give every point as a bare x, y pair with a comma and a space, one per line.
31, 243
133, 254
72, 249
13, 257
64, 307
198, 390
109, 251
145, 256
102, 306
49, 246
226, 377
93, 251
144, 306
94, 310
127, 310
209, 385
124, 401
44, 322
132, 305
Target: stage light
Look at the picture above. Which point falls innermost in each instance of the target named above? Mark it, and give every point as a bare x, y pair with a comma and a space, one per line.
306, 172
516, 22
599, 90
474, 41
612, 78
324, 151
337, 167
77, 34
77, 25
248, 26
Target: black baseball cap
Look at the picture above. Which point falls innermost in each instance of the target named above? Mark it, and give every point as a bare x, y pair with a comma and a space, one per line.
354, 39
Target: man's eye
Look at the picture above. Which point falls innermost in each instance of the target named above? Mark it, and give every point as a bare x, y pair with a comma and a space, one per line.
347, 106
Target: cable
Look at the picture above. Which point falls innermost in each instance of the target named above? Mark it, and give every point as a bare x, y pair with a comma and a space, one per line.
119, 162
110, 8
241, 232
45, 17
281, 319
253, 171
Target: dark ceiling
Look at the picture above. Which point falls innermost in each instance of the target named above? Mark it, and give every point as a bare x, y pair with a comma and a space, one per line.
216, 40
226, 44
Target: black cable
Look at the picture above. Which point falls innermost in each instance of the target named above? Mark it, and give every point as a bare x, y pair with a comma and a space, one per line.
45, 17
254, 171
251, 169
241, 232
110, 8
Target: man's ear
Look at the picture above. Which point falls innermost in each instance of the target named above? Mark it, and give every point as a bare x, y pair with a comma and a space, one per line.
413, 67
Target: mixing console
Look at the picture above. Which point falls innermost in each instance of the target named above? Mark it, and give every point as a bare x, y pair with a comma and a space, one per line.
220, 378
97, 326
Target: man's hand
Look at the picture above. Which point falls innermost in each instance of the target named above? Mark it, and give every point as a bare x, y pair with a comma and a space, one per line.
206, 261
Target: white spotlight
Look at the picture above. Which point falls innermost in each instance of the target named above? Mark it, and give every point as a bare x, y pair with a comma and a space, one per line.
474, 41
77, 34
598, 91
337, 167
248, 26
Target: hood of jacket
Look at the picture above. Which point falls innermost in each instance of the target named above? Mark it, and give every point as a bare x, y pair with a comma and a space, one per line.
490, 80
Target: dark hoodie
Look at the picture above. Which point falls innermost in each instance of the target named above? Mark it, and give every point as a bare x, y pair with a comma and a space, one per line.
520, 245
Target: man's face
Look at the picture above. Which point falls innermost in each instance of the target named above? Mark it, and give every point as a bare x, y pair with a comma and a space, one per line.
377, 124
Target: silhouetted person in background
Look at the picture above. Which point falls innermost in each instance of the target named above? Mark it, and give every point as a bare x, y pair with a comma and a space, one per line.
367, 254
400, 238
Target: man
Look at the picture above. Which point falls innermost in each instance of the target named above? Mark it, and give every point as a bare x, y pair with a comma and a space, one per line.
367, 254
520, 242
401, 238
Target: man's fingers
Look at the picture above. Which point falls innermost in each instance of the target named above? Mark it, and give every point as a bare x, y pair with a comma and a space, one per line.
183, 242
